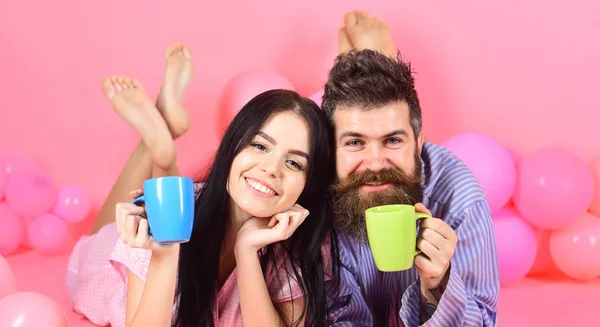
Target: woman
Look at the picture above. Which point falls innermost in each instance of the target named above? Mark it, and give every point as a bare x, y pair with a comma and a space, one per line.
257, 257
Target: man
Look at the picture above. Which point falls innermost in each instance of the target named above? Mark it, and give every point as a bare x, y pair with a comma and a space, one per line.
382, 158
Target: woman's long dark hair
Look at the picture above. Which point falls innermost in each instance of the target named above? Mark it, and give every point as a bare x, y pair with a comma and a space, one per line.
199, 258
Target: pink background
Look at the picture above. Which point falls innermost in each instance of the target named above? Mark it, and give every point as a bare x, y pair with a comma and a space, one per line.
525, 73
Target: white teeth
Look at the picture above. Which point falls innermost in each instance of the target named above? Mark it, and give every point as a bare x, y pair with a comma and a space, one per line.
260, 187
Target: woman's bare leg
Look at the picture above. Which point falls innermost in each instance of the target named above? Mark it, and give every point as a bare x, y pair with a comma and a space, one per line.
139, 165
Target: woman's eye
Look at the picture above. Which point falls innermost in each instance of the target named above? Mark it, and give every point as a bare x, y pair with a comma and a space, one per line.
296, 165
259, 146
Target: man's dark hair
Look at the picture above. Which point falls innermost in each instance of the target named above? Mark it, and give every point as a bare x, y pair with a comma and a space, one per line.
368, 79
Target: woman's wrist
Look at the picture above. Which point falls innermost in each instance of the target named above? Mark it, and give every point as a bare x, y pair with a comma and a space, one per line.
244, 251
166, 253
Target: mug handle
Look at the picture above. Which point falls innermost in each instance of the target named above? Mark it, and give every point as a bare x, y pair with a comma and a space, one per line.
138, 201
420, 215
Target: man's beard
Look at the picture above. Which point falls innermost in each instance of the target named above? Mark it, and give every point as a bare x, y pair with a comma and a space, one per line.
350, 201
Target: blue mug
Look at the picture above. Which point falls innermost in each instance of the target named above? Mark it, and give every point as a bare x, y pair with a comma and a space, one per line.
170, 205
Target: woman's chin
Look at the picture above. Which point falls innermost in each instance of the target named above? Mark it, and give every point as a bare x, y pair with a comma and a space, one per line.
266, 213
261, 214
263, 210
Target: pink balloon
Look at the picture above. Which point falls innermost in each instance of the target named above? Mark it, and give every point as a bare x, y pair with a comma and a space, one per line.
555, 187
15, 161
595, 207
12, 231
9, 163
8, 283
516, 244
3, 181
516, 156
246, 85
29, 309
31, 193
49, 234
543, 260
318, 97
491, 163
576, 248
73, 204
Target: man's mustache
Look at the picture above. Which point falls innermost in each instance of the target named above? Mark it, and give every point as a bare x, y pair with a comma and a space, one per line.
392, 176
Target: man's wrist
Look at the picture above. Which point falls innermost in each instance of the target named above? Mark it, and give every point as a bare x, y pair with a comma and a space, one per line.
431, 297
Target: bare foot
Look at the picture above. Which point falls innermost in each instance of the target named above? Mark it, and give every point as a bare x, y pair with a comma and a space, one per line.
367, 32
132, 103
344, 41
179, 69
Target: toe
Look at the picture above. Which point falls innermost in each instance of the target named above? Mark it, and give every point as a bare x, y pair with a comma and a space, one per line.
108, 88
362, 16
344, 41
350, 19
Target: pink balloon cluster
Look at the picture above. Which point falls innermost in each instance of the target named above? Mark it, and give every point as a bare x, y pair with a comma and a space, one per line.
33, 211
555, 222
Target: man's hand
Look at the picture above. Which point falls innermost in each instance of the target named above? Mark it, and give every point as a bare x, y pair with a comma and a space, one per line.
437, 243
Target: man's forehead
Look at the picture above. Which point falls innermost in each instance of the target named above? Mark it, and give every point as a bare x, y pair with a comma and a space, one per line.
372, 120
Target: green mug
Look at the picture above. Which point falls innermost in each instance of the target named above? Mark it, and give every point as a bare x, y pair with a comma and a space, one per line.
392, 232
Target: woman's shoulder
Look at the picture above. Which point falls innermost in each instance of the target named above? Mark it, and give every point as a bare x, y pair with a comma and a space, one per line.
284, 259
284, 276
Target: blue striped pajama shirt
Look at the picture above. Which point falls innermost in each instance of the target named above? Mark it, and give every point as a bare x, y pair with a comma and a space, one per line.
369, 297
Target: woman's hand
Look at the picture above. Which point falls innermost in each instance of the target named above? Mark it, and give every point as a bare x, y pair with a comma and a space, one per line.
257, 233
133, 228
